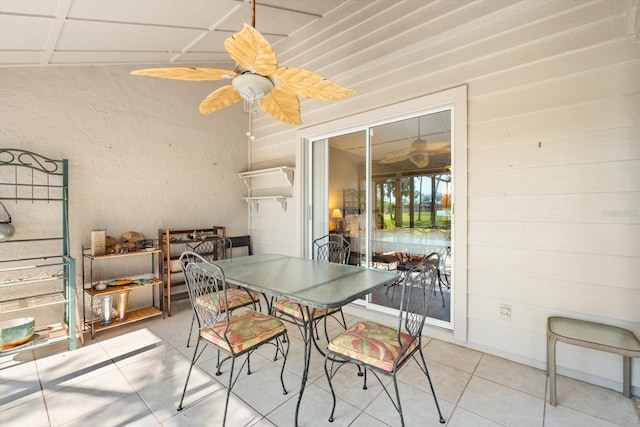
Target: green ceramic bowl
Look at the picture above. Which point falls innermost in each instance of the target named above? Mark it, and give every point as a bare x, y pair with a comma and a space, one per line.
15, 332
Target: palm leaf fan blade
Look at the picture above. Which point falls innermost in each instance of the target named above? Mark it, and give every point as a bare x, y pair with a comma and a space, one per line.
397, 156
187, 73
283, 106
308, 84
219, 99
252, 51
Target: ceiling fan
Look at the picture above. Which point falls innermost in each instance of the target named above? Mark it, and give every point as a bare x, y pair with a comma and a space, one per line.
418, 153
257, 78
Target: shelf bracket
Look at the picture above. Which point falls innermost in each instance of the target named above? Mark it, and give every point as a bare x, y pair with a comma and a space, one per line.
283, 202
255, 201
254, 204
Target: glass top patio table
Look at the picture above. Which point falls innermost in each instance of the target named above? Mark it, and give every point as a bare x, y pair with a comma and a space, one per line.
305, 281
313, 284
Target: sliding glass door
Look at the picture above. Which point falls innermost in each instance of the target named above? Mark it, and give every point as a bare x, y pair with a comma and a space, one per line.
387, 189
392, 181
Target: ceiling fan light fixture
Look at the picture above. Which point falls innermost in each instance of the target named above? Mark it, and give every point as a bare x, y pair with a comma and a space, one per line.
421, 160
252, 87
255, 77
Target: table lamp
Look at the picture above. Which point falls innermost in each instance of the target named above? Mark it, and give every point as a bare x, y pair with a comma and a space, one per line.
336, 215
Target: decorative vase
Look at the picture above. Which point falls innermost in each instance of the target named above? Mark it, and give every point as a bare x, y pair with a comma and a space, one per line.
107, 301
122, 298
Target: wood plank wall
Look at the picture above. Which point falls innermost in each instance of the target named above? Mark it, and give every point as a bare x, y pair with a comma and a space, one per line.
553, 145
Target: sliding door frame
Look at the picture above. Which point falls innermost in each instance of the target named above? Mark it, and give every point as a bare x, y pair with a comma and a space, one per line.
454, 99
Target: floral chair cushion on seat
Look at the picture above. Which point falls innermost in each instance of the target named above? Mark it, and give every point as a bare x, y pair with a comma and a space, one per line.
234, 333
246, 330
236, 298
374, 344
383, 350
293, 309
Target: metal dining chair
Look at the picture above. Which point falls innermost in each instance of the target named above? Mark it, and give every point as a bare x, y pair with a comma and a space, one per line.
231, 333
383, 350
329, 248
212, 250
444, 234
381, 257
413, 240
409, 244
444, 257
434, 259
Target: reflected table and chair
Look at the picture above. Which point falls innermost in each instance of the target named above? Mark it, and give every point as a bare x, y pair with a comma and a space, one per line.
401, 249
313, 284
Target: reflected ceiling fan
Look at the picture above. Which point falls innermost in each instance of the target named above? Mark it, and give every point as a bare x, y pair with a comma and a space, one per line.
418, 153
257, 77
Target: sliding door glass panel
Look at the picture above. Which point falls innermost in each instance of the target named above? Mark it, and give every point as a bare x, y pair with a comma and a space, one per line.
347, 193
410, 172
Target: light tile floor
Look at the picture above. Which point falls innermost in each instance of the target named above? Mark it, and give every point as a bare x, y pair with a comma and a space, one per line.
134, 375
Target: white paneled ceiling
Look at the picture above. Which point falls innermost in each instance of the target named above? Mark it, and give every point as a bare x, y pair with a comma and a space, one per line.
90, 32
41, 33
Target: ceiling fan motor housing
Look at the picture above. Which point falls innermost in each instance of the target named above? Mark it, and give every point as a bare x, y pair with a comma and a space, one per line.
252, 87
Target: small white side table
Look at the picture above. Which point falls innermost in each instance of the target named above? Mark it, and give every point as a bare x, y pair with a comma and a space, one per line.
591, 335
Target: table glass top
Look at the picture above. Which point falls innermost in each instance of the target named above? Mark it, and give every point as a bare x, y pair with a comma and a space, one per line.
611, 336
315, 283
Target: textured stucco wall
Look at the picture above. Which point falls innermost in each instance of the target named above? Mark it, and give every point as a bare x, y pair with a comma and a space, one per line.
141, 156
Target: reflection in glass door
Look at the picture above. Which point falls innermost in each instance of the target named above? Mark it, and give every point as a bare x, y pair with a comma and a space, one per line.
393, 185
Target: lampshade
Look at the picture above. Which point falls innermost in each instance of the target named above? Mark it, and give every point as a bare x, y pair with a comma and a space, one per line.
6, 229
336, 213
252, 87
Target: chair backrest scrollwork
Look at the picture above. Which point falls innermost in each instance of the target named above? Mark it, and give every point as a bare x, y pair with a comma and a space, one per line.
332, 248
211, 249
416, 296
206, 287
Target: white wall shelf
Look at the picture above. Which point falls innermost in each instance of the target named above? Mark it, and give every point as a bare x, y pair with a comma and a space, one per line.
274, 179
255, 201
285, 171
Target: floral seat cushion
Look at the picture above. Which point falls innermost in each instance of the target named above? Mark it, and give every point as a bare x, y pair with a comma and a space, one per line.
293, 309
246, 330
235, 298
374, 344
